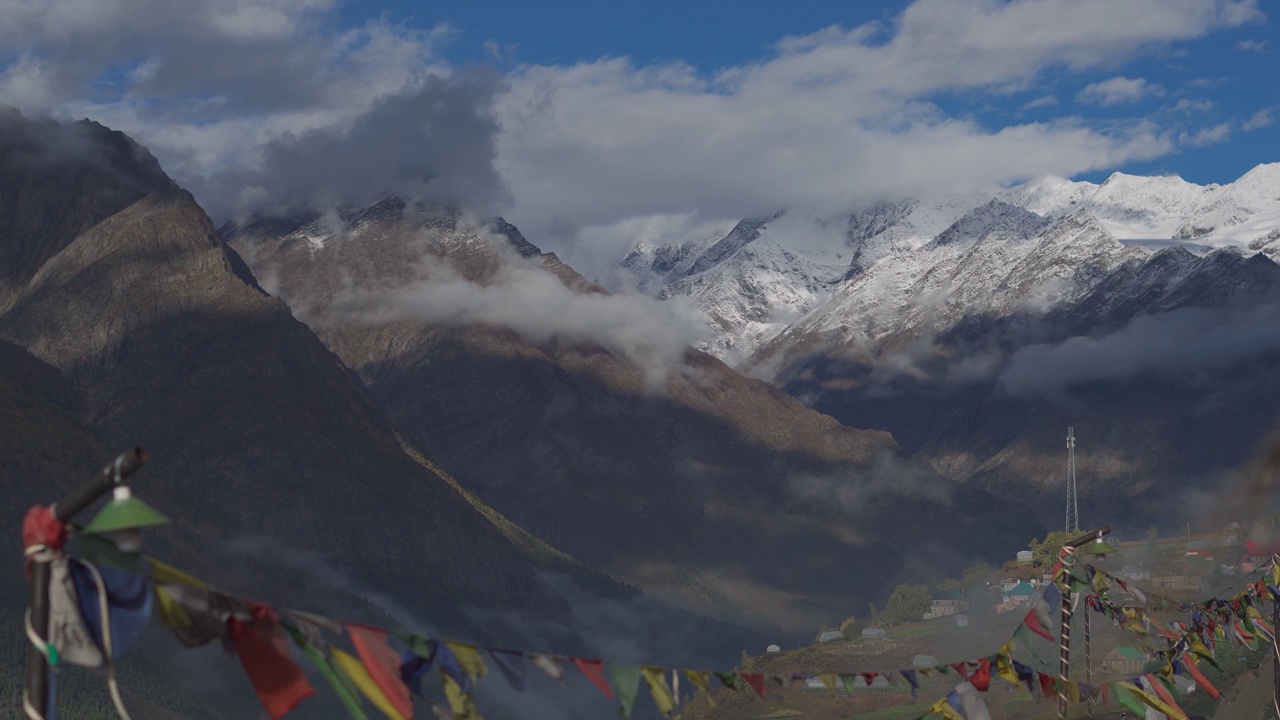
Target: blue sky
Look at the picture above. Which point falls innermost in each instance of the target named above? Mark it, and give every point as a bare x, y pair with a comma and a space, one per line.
1233, 69
596, 125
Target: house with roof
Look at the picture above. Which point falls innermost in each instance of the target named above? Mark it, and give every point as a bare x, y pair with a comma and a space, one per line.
1123, 660
1017, 596
1134, 573
1176, 580
1257, 554
946, 602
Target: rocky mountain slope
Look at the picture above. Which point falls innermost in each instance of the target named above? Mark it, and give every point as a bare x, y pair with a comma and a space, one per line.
975, 328
168, 342
653, 463
977, 342
133, 322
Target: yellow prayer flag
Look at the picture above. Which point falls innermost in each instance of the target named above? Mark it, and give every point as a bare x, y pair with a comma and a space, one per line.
1073, 691
829, 681
356, 671
1004, 663
656, 678
701, 678
171, 613
943, 708
463, 707
1153, 701
470, 660
169, 575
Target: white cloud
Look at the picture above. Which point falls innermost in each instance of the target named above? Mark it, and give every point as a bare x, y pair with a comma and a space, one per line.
1252, 45
1259, 119
522, 296
589, 151
1042, 101
1189, 105
1206, 136
1117, 91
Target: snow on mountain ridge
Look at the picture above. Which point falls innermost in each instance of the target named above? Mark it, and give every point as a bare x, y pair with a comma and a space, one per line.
897, 247
998, 260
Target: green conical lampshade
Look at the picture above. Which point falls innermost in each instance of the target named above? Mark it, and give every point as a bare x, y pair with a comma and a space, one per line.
1099, 547
125, 512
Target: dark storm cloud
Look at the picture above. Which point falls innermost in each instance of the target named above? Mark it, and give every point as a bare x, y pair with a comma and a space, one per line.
1178, 340
435, 143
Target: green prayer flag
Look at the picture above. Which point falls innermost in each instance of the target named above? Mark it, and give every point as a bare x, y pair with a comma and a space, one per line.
729, 680
626, 682
418, 644
342, 685
1128, 699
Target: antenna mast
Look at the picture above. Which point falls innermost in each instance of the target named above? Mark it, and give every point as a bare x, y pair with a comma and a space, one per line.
1073, 507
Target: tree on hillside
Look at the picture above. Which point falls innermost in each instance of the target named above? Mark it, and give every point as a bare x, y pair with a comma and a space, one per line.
1044, 553
908, 603
973, 578
852, 628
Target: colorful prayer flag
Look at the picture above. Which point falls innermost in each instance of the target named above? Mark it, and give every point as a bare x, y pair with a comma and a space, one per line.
594, 670
264, 654
382, 664
626, 679
656, 678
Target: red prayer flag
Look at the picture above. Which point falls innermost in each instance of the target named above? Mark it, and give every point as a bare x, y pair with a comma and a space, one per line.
1200, 679
962, 669
1046, 684
756, 681
594, 670
981, 678
1032, 621
383, 664
869, 677
1162, 691
264, 653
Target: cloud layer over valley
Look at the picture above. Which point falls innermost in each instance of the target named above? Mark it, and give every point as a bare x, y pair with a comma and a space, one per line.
257, 103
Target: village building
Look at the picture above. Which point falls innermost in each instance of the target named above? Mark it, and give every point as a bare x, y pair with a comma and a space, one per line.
830, 636
1179, 580
946, 602
1257, 554
1017, 596
1123, 660
1134, 573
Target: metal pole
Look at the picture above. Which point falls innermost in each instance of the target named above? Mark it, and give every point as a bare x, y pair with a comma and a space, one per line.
1275, 651
37, 688
1067, 558
1064, 641
1088, 667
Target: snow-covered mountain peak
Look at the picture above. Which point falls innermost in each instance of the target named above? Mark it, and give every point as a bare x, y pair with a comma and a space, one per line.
1240, 214
1049, 195
1024, 248
995, 218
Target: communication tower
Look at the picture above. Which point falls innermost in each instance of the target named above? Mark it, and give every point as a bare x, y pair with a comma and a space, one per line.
1073, 507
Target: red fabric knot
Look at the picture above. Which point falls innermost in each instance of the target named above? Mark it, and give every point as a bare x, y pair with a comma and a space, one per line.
40, 529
